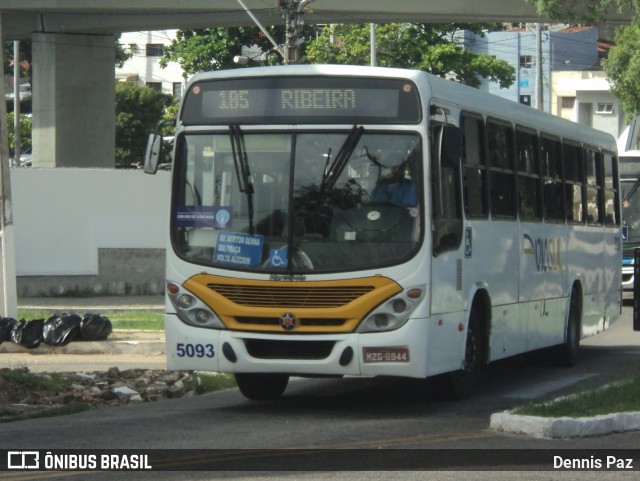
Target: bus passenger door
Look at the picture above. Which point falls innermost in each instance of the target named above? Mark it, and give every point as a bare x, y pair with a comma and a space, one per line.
446, 222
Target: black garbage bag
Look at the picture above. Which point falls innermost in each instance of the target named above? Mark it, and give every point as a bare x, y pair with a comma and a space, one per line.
28, 334
61, 329
6, 326
95, 327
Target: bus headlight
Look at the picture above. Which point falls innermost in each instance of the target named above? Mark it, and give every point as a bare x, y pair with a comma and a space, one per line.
192, 310
394, 312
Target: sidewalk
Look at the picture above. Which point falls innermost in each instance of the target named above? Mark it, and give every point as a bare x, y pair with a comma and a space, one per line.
119, 342
81, 305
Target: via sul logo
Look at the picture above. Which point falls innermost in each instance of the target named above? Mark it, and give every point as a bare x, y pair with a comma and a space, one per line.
547, 252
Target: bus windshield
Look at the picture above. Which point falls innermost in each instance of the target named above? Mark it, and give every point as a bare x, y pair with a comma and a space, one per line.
294, 202
631, 209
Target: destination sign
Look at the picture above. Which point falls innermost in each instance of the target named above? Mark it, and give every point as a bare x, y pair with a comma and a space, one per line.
301, 100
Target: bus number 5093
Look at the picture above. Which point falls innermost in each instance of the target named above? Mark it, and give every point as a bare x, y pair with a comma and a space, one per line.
194, 350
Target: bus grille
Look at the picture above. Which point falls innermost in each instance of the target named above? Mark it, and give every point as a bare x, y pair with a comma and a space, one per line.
305, 321
309, 350
290, 297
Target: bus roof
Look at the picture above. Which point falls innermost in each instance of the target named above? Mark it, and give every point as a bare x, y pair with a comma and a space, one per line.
453, 93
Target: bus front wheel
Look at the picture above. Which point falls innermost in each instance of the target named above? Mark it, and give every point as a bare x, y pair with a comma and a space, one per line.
261, 387
460, 384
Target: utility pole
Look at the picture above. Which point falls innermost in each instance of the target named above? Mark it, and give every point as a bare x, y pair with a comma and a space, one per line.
292, 11
8, 295
539, 75
16, 102
372, 40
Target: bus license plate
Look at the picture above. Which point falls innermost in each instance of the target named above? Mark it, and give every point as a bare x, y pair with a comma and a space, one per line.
385, 354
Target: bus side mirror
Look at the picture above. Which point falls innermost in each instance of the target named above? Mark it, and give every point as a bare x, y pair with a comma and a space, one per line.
152, 155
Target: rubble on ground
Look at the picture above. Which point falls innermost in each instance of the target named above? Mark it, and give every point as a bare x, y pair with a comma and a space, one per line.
99, 389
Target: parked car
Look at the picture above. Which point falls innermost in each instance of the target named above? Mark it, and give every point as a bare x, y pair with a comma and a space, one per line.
25, 159
25, 91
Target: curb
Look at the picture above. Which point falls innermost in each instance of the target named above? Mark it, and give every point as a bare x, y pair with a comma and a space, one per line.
136, 344
564, 427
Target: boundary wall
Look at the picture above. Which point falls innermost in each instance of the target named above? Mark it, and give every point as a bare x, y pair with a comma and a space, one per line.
89, 231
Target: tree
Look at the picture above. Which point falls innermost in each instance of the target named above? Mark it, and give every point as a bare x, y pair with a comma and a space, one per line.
138, 111
623, 67
589, 11
25, 132
433, 48
200, 50
25, 57
121, 55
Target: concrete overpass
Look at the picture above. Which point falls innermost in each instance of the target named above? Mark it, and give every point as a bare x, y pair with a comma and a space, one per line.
21, 18
73, 54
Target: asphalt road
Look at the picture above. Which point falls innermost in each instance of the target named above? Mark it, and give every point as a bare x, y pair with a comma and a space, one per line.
377, 415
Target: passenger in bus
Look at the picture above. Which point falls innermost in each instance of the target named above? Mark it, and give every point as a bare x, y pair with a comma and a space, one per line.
395, 189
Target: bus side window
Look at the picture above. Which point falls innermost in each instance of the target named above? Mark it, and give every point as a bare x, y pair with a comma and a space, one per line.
445, 180
502, 179
529, 181
474, 162
593, 164
551, 150
611, 190
574, 181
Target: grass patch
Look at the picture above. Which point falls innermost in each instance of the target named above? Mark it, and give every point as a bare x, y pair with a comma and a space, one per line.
63, 410
148, 324
204, 382
16, 385
619, 397
30, 382
138, 319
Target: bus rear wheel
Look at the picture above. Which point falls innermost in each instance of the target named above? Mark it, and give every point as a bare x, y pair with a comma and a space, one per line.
567, 353
261, 387
458, 385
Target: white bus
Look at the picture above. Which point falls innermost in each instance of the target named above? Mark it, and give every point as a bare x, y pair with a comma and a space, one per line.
356, 221
629, 155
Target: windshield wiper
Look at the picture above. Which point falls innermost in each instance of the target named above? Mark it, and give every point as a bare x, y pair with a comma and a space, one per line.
331, 175
243, 173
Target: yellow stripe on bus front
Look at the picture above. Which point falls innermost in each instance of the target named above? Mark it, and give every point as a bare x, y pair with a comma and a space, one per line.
319, 306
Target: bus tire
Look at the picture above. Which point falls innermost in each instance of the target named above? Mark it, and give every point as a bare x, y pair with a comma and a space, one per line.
458, 385
567, 353
261, 387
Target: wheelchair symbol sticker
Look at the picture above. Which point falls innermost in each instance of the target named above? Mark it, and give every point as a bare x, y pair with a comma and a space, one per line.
278, 258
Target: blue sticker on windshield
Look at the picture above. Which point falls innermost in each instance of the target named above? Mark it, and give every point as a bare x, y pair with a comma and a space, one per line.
239, 249
203, 216
278, 258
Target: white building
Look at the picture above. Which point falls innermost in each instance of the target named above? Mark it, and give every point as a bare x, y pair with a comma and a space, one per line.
585, 97
146, 49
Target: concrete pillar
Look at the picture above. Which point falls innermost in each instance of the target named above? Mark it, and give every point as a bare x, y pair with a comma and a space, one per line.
73, 100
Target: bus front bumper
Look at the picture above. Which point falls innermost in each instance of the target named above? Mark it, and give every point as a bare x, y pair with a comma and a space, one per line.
396, 353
